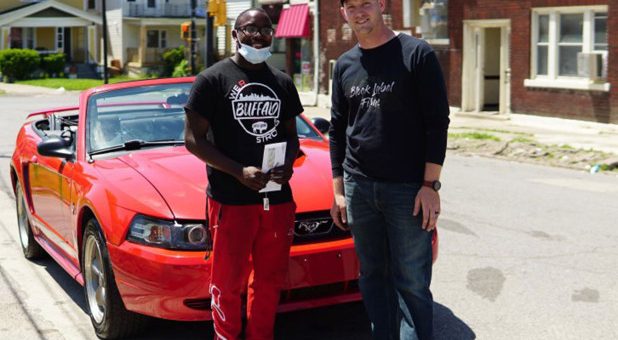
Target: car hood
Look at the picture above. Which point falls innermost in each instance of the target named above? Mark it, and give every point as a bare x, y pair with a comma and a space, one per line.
180, 178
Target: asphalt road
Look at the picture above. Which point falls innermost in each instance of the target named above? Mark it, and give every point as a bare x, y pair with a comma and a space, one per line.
526, 252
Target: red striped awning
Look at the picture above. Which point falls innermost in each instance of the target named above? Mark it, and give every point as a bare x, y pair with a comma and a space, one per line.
294, 22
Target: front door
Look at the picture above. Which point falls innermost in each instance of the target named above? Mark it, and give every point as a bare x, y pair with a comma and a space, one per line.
486, 70
67, 44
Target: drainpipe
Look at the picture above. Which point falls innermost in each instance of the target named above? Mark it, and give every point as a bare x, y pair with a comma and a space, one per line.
104, 28
316, 49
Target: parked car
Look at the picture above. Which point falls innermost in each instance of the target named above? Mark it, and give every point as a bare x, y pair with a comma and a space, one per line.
108, 189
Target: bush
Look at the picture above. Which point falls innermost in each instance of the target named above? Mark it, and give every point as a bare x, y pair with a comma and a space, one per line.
182, 69
18, 63
171, 59
54, 63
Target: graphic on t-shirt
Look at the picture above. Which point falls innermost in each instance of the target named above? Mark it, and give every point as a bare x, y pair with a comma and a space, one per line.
370, 93
256, 107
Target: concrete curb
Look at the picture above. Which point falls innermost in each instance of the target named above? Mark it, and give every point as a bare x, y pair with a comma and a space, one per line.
29, 90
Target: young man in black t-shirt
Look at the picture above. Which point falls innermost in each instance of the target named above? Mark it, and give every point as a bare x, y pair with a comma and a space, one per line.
388, 142
236, 107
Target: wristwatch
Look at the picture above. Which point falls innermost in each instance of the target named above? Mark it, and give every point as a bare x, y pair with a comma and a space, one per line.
435, 185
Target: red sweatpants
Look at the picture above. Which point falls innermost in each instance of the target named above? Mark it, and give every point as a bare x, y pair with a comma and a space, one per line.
250, 245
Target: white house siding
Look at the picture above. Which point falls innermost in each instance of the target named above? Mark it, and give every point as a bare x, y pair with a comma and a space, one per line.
234, 7
131, 39
116, 46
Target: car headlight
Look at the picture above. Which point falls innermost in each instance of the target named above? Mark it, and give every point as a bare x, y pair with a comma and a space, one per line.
169, 234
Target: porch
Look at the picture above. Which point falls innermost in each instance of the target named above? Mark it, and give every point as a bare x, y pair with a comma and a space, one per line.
53, 27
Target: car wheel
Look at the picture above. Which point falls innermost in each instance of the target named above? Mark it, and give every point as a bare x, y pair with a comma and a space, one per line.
31, 248
111, 320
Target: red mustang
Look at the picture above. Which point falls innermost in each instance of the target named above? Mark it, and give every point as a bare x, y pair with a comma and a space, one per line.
108, 189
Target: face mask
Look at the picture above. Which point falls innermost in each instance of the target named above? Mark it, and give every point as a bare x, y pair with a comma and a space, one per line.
254, 55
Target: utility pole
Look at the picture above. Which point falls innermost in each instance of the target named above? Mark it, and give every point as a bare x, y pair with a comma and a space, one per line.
193, 37
104, 14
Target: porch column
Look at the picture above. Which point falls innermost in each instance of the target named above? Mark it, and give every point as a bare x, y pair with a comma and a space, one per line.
92, 43
4, 37
142, 45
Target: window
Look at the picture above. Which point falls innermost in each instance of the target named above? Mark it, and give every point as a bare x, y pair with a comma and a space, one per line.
569, 46
91, 4
430, 17
151, 4
156, 39
152, 38
22, 37
163, 39
59, 39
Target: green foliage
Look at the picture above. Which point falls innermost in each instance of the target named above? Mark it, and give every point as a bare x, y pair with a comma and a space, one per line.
474, 135
54, 63
74, 84
18, 63
525, 140
171, 59
182, 69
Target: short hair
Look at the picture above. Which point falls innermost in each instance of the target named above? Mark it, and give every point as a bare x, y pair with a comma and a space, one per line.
257, 9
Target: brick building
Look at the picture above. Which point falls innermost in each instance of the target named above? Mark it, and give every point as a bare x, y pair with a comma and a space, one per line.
542, 57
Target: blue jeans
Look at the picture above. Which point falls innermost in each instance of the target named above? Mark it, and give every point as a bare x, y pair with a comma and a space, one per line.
395, 256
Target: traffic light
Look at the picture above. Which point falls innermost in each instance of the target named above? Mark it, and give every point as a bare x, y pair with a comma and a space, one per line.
218, 10
221, 18
185, 30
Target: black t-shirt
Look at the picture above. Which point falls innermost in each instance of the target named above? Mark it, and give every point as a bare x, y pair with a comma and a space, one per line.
389, 111
246, 110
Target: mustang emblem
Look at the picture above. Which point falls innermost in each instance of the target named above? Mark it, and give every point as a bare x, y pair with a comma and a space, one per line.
309, 227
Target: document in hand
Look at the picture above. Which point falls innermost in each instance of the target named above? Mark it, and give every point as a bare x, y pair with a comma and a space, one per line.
274, 156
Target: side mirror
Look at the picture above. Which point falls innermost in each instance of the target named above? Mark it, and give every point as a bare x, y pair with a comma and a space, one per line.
55, 147
321, 124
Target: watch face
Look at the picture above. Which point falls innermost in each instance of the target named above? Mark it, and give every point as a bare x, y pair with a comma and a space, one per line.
437, 185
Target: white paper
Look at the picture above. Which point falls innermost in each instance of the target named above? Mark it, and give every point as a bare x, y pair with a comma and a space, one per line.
274, 156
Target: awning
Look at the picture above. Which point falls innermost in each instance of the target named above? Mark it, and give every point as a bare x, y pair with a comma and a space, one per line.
294, 22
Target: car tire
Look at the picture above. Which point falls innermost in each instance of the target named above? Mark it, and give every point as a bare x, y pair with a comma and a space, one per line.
110, 318
30, 247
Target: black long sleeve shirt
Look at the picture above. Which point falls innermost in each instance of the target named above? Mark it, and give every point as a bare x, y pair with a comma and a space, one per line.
389, 111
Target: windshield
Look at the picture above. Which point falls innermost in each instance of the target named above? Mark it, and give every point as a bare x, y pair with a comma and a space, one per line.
146, 114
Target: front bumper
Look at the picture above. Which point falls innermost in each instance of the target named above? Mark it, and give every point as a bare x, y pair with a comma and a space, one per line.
174, 284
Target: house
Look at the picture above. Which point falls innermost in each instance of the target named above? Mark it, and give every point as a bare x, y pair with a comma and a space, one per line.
541, 57
69, 26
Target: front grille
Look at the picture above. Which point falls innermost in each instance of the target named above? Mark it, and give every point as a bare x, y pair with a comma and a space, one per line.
199, 304
316, 227
318, 292
292, 295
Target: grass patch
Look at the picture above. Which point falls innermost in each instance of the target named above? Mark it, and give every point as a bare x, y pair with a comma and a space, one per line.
566, 147
73, 84
474, 135
2, 92
499, 131
524, 140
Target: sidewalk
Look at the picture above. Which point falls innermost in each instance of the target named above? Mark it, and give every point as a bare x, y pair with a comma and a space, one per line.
578, 134
28, 90
546, 130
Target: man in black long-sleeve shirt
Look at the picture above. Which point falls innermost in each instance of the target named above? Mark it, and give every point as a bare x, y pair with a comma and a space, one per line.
388, 142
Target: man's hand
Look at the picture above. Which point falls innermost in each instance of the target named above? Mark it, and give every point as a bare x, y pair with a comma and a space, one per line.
253, 178
429, 201
281, 174
339, 214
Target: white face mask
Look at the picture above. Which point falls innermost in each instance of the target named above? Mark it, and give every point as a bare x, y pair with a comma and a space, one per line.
254, 55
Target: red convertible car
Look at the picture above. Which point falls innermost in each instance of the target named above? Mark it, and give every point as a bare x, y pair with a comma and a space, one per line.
108, 189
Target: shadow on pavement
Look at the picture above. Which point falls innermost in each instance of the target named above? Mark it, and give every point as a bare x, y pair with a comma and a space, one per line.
73, 289
341, 322
447, 326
